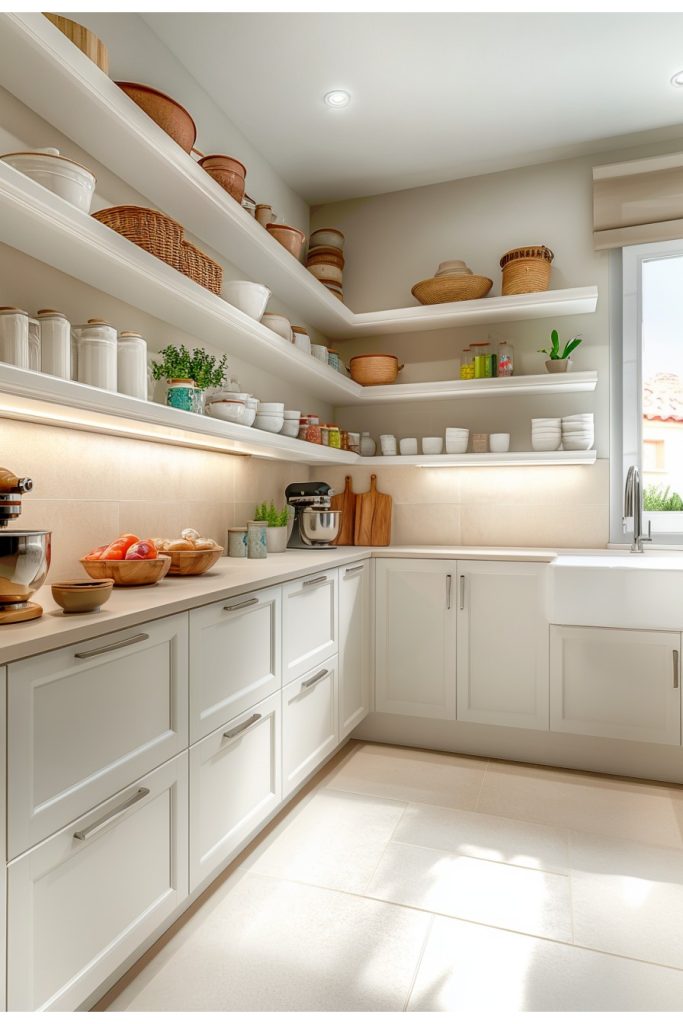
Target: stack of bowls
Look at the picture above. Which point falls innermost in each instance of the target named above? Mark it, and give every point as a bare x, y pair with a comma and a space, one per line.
578, 432
270, 416
325, 259
546, 434
457, 439
290, 427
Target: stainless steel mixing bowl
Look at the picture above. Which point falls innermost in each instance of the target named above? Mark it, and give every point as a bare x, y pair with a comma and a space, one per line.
24, 562
320, 526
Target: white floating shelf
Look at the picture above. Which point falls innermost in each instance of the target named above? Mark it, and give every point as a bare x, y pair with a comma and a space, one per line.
497, 387
487, 459
47, 72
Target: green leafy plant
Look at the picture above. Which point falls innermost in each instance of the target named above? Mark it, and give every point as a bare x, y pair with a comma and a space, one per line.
181, 364
271, 515
657, 498
554, 351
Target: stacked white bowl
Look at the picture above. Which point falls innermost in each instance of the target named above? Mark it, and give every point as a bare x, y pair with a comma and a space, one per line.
290, 427
578, 432
457, 439
270, 416
546, 434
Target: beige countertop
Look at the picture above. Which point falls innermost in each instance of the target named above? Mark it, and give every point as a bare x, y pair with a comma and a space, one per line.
129, 606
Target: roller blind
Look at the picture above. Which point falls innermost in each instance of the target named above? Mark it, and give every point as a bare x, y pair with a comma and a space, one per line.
638, 201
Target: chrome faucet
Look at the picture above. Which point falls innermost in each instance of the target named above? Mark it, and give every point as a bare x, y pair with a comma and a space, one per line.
633, 509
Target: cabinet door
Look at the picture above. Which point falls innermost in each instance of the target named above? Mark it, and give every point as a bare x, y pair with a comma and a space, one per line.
310, 723
622, 683
234, 657
354, 645
84, 900
415, 630
3, 819
309, 622
502, 644
88, 719
235, 783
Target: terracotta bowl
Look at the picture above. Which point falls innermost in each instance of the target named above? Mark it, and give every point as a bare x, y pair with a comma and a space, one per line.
326, 272
193, 563
82, 595
291, 238
228, 172
168, 114
131, 573
325, 254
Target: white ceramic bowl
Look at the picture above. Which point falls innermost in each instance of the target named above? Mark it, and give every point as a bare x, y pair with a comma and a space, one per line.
273, 424
578, 442
292, 414
279, 324
232, 412
250, 297
499, 442
457, 445
271, 409
290, 428
542, 444
408, 446
71, 181
432, 445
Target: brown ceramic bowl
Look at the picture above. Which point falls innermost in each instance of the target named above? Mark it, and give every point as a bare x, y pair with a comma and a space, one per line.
168, 114
291, 238
127, 573
82, 595
228, 172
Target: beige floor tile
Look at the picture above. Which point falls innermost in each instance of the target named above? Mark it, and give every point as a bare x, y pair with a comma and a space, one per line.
628, 898
470, 968
504, 840
633, 810
336, 841
277, 945
534, 902
422, 776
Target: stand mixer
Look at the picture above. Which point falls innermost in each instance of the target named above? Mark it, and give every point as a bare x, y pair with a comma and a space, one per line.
315, 524
24, 554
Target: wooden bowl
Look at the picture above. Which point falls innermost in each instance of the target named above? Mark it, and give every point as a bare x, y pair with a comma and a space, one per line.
193, 563
168, 114
86, 41
375, 369
133, 573
448, 288
82, 595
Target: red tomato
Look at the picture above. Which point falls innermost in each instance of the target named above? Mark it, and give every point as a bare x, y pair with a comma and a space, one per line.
142, 550
116, 551
95, 554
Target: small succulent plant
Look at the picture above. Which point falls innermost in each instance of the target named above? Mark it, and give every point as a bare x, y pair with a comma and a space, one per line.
554, 351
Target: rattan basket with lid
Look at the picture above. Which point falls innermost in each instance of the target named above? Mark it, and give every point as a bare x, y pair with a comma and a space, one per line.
526, 269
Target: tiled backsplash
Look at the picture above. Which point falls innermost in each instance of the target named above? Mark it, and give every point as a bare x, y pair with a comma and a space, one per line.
88, 488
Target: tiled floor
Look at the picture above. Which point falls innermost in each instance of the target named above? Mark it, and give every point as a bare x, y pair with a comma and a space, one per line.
424, 881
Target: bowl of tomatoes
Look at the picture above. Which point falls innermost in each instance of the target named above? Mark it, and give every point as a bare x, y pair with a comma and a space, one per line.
129, 561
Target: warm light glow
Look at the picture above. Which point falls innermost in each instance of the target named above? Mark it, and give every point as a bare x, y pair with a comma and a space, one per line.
337, 98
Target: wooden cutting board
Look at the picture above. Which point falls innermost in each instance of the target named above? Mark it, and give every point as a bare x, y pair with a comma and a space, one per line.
346, 504
373, 517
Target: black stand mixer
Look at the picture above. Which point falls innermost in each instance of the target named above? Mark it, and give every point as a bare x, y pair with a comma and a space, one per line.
315, 524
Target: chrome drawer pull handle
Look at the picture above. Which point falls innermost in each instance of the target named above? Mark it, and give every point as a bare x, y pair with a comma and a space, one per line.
449, 587
242, 728
356, 568
137, 639
315, 679
242, 604
312, 583
462, 593
96, 826
675, 654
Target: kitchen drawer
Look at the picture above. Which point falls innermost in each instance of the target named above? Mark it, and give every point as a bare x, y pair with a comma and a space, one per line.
234, 657
235, 783
89, 719
309, 622
85, 899
310, 723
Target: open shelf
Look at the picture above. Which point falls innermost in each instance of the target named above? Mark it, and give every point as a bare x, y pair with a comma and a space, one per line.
47, 72
496, 387
560, 458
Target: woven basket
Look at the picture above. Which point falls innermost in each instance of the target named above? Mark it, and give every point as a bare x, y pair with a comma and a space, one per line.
449, 288
526, 269
151, 230
201, 268
374, 369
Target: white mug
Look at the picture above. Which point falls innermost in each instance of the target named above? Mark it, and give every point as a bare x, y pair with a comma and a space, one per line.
388, 444
408, 446
499, 442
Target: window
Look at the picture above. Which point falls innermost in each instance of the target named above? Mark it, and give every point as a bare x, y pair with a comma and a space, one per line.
652, 395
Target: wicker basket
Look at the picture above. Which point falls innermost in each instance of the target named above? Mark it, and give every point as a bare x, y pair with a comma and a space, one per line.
151, 230
526, 269
374, 369
201, 268
451, 288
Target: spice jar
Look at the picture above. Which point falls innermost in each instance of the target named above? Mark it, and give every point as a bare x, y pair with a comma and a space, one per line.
313, 432
324, 434
506, 359
303, 428
345, 440
55, 343
467, 364
334, 435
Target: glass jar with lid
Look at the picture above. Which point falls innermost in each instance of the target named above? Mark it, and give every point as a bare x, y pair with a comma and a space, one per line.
483, 364
506, 359
467, 364
334, 435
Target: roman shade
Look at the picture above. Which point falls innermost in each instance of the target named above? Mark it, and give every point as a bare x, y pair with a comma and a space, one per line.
638, 201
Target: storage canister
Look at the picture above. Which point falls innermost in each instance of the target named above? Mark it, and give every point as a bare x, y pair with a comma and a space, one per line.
334, 435
467, 364
313, 431
33, 344
506, 359
257, 546
97, 354
55, 343
483, 366
237, 542
132, 364
14, 336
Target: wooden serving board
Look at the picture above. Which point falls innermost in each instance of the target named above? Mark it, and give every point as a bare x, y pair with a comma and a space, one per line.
373, 517
346, 504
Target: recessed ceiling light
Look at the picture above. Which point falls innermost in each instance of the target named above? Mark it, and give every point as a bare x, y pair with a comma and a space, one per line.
338, 98
677, 79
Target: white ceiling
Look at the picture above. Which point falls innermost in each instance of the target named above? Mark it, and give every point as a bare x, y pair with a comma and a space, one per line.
434, 96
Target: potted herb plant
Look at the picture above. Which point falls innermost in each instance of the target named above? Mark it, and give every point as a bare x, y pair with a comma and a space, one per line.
188, 375
559, 362
277, 521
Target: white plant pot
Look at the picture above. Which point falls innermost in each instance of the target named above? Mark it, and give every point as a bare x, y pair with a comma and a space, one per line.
276, 539
558, 365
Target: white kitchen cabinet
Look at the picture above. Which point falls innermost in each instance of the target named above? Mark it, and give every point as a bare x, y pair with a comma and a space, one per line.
620, 683
355, 628
502, 644
88, 719
235, 657
235, 784
309, 622
3, 847
84, 900
415, 636
310, 723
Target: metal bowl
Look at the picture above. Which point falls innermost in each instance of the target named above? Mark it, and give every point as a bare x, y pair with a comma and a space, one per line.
320, 526
24, 562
